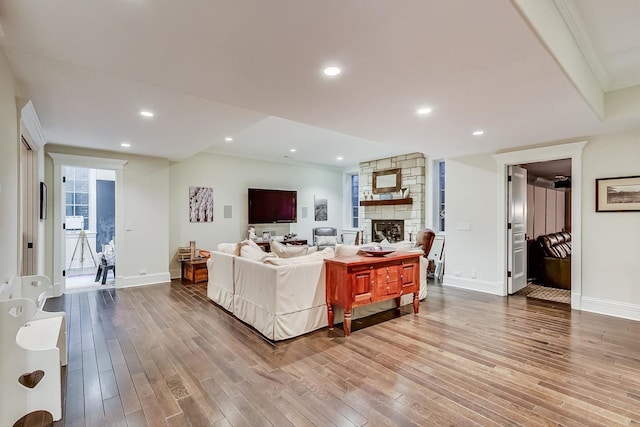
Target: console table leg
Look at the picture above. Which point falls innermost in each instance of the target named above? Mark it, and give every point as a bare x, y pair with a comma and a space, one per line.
330, 316
416, 303
397, 302
347, 323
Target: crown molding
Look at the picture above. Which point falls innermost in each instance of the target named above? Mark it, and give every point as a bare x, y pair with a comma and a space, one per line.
572, 18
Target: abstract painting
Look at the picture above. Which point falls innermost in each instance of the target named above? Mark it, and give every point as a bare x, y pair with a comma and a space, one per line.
200, 204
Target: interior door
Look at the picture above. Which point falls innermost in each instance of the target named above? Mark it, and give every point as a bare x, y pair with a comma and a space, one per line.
516, 229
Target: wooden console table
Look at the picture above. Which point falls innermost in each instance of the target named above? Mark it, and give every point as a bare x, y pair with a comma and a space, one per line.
360, 280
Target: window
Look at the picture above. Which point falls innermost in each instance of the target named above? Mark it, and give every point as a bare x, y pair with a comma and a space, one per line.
441, 195
77, 193
354, 200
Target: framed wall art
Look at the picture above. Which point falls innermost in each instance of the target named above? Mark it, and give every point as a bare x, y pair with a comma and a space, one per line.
620, 194
200, 204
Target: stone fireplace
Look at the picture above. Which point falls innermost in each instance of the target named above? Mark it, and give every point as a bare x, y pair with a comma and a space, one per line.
400, 214
390, 229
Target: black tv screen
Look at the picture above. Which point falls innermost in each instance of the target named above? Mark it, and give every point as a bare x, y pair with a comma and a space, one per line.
269, 206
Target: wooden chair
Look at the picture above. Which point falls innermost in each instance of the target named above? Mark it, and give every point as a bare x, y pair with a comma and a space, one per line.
30, 359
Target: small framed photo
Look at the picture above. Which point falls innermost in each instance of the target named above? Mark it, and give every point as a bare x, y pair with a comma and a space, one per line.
621, 194
266, 236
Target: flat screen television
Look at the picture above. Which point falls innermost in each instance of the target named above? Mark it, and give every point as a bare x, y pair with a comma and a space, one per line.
270, 206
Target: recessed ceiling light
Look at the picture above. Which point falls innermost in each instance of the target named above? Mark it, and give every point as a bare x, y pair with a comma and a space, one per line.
145, 113
423, 110
339, 158
228, 139
293, 150
125, 145
332, 71
478, 133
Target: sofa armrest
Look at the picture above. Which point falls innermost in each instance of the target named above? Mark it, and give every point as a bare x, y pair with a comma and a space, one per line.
220, 287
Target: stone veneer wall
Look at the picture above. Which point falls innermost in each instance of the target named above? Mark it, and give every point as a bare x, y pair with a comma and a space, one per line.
413, 177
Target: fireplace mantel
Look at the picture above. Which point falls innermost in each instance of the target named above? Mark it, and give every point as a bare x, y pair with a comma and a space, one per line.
407, 201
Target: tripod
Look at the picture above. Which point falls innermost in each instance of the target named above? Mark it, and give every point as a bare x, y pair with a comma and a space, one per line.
82, 241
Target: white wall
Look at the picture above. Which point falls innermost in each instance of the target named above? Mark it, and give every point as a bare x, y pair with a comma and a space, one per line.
8, 174
143, 248
230, 177
611, 245
471, 197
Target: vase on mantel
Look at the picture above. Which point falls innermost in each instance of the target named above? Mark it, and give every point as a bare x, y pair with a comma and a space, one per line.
405, 193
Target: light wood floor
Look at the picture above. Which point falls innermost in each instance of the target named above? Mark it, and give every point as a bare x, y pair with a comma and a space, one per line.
165, 355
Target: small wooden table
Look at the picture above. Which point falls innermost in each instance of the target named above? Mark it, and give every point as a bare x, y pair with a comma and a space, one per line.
357, 280
295, 242
195, 271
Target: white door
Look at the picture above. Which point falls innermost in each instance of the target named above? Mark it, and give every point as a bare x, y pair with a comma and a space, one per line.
516, 229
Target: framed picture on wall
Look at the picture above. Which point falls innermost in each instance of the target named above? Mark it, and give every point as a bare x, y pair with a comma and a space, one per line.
621, 194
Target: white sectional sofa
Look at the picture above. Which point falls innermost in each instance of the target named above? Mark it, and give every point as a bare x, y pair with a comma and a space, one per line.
282, 297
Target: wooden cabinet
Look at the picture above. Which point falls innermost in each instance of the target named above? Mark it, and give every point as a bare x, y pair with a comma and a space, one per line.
360, 280
195, 271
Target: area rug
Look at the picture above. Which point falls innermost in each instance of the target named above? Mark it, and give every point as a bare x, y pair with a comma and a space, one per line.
546, 293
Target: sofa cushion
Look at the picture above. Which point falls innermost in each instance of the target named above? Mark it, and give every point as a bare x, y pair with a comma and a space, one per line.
229, 248
326, 240
314, 257
284, 251
251, 252
347, 250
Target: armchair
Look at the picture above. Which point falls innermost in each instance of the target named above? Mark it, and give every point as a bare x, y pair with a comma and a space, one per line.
325, 237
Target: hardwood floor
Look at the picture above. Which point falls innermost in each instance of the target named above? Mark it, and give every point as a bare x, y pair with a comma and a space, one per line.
165, 355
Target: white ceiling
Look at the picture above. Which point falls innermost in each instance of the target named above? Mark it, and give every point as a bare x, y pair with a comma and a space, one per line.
251, 69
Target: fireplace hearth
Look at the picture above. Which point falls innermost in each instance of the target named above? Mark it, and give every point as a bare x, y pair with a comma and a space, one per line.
390, 229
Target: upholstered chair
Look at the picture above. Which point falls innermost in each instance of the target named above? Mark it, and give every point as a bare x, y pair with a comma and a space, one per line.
325, 237
424, 240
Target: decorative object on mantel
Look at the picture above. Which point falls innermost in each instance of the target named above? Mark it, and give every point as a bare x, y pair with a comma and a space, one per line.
200, 204
387, 181
320, 205
386, 196
404, 193
620, 194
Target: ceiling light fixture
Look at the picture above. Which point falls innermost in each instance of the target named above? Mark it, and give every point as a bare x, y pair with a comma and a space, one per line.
293, 150
125, 145
339, 158
478, 133
423, 110
145, 113
228, 139
332, 71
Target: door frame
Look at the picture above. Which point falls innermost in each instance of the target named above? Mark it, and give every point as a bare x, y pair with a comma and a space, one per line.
59, 239
571, 151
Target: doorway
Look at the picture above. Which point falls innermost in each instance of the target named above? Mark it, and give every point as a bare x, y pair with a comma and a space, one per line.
61, 210
89, 226
571, 151
548, 230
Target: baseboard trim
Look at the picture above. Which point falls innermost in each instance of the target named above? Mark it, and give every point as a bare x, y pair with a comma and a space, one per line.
176, 273
142, 280
494, 288
611, 308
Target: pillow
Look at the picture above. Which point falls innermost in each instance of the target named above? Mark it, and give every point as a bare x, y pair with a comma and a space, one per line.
284, 251
305, 259
326, 240
402, 246
248, 251
229, 248
347, 250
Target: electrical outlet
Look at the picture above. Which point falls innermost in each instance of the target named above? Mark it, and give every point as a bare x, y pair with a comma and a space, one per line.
472, 274
143, 271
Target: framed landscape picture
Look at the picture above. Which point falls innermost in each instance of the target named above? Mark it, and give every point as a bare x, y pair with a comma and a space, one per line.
621, 194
